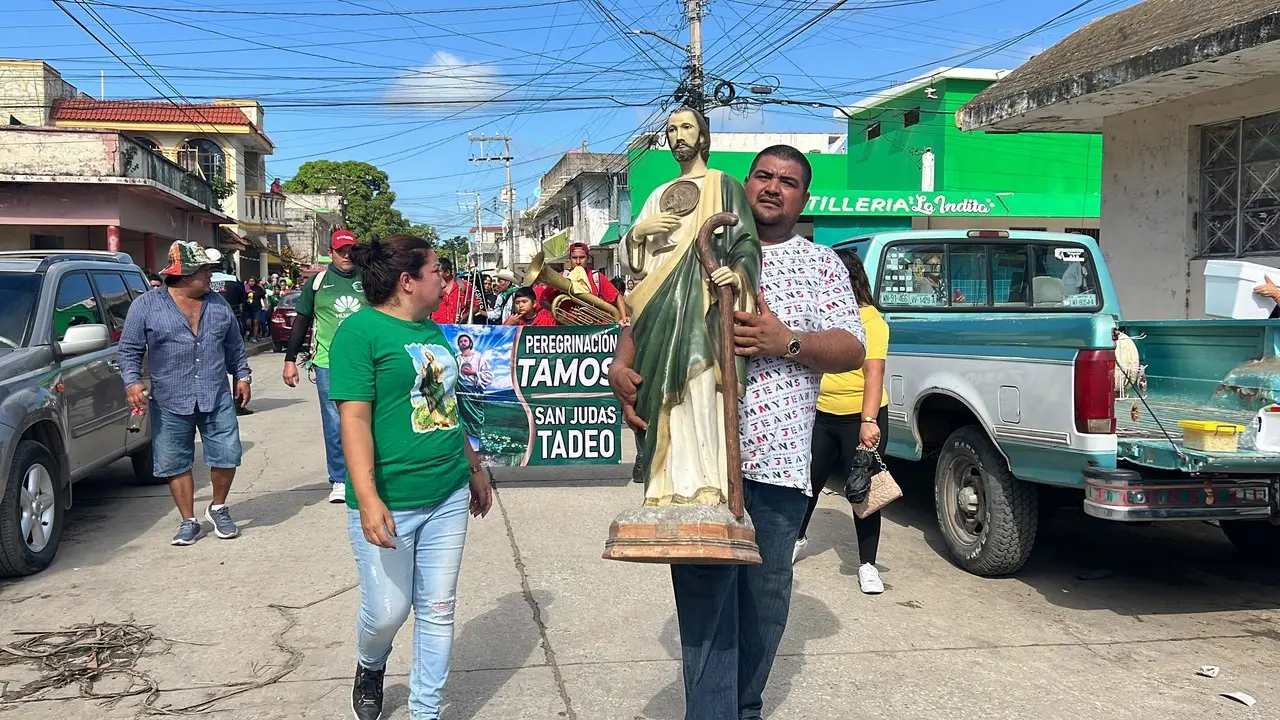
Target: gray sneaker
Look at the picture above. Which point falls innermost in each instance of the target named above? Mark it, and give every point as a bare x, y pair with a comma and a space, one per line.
188, 532
223, 526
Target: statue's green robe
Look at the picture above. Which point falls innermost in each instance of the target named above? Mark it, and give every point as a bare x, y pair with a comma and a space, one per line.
676, 326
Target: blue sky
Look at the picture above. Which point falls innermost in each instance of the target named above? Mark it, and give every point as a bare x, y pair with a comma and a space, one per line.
401, 83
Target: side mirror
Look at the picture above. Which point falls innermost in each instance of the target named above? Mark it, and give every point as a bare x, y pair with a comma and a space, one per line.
83, 339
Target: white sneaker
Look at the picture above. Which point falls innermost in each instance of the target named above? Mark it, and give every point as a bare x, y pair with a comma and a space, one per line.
338, 494
869, 579
800, 546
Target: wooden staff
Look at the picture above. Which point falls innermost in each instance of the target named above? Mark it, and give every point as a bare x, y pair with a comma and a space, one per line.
728, 360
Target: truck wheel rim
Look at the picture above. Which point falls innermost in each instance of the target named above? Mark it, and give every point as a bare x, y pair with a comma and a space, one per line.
965, 501
37, 507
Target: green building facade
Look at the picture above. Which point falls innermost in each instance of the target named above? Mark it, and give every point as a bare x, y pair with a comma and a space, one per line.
883, 181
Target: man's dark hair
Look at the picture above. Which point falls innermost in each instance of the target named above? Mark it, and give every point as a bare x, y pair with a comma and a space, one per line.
788, 153
446, 265
525, 292
152, 277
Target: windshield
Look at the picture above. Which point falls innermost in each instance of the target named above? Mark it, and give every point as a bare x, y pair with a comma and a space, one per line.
289, 300
18, 294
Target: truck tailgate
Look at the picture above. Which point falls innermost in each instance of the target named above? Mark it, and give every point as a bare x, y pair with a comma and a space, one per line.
1142, 442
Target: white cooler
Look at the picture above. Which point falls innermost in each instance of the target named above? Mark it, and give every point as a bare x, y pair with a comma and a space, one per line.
1228, 290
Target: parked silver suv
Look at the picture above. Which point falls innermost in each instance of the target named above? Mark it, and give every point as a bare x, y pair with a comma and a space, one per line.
63, 413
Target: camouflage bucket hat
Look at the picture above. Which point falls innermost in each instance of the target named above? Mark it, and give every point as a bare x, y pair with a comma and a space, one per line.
186, 258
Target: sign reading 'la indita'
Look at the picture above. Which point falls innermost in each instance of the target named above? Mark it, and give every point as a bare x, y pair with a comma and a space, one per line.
926, 204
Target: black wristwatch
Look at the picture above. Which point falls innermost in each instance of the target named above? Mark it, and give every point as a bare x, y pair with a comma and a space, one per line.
793, 347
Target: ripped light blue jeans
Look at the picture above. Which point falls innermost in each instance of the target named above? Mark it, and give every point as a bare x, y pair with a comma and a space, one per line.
421, 574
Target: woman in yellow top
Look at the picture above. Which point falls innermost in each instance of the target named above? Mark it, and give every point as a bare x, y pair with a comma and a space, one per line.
848, 418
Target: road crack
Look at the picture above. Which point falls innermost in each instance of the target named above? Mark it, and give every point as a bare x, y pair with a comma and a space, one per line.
548, 652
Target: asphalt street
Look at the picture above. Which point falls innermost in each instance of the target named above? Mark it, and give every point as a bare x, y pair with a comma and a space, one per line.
1106, 621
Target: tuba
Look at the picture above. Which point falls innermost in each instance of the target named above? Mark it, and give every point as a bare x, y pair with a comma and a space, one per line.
570, 307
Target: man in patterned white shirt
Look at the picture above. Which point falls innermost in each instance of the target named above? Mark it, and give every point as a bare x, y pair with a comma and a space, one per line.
732, 617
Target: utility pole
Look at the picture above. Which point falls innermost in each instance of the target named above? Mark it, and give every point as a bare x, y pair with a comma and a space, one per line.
477, 207
693, 10
508, 192
695, 95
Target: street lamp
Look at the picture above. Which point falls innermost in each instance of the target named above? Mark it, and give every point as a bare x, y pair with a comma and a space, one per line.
663, 38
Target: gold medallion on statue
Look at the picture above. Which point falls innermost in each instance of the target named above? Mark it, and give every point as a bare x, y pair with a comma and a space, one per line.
680, 198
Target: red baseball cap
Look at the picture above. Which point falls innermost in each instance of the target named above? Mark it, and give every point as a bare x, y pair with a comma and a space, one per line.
342, 237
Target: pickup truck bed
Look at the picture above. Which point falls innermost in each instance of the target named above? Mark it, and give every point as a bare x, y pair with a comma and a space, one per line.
1142, 442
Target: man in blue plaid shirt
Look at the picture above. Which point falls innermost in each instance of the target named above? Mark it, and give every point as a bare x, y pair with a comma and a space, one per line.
193, 342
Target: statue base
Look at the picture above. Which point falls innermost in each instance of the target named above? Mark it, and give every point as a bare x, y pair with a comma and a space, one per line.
682, 534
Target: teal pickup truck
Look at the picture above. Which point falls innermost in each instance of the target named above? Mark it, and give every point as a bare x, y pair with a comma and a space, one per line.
1011, 365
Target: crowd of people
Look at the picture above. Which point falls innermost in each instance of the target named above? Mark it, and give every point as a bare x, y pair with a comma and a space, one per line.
497, 300
398, 458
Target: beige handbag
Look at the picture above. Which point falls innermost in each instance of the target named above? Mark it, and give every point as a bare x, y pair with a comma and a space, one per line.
884, 490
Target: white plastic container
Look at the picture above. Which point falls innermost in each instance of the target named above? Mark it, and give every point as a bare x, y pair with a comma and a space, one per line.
1228, 289
1266, 429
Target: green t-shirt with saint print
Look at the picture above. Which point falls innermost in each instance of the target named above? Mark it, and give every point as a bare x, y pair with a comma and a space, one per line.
338, 298
409, 373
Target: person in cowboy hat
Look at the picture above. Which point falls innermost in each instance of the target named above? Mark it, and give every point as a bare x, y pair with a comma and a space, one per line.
192, 341
504, 282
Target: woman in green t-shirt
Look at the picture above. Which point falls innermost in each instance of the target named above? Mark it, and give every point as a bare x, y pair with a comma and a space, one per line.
412, 474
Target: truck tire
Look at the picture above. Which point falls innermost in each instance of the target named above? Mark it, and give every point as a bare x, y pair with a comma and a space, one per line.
988, 517
1257, 540
31, 511
144, 466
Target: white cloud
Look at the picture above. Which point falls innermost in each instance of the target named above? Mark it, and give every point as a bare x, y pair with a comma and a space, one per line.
448, 84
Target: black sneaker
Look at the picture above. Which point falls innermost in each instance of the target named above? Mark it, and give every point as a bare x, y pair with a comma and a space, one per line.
366, 696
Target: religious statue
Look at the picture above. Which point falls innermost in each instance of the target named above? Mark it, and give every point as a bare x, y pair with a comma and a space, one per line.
694, 246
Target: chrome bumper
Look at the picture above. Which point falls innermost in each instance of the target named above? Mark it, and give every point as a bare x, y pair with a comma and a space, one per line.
1124, 495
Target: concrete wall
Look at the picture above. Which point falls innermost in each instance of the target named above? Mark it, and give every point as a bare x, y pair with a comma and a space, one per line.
19, 237
38, 152
755, 142
1150, 189
311, 218
593, 212
28, 89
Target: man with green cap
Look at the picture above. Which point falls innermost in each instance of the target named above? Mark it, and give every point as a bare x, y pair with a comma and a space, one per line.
192, 341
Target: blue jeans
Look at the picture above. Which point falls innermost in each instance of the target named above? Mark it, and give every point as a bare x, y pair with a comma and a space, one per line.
173, 438
732, 616
420, 573
329, 423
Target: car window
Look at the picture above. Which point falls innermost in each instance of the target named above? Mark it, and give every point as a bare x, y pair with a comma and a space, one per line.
1004, 275
74, 305
967, 268
116, 297
136, 284
289, 300
1064, 277
914, 275
18, 295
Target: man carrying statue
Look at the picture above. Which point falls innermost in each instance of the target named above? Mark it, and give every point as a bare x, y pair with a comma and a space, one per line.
795, 318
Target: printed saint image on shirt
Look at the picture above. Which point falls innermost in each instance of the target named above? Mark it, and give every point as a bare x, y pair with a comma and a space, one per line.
435, 406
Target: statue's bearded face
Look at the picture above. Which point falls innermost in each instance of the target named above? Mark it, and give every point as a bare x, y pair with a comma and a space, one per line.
684, 136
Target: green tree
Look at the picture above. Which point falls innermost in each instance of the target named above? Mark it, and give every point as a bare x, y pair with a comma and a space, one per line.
426, 232
367, 190
458, 249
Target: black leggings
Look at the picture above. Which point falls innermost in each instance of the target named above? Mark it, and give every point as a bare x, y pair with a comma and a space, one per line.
835, 439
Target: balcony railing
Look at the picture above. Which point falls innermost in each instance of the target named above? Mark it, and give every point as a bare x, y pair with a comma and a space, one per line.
136, 161
263, 208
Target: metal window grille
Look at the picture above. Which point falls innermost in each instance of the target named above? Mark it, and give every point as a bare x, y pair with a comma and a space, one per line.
1240, 188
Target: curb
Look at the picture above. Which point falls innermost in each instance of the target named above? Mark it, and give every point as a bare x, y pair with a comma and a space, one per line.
252, 349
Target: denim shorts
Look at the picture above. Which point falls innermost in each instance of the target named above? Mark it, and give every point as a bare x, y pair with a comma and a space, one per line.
173, 438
